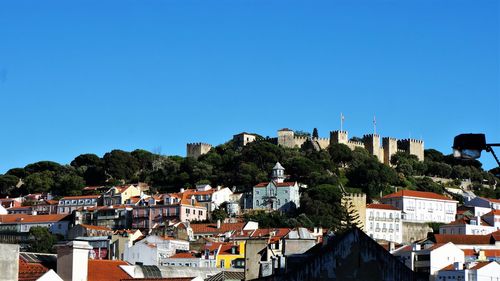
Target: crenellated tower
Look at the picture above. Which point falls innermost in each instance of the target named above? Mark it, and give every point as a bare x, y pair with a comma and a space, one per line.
390, 147
197, 149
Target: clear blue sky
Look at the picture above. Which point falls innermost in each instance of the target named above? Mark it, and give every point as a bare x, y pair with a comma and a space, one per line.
91, 76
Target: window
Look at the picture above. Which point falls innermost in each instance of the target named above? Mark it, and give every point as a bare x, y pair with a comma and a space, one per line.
257, 202
188, 211
222, 263
279, 203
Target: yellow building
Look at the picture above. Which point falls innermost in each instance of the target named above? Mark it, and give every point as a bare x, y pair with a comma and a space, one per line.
231, 255
117, 195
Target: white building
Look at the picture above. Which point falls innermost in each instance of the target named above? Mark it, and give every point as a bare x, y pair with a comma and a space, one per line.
276, 194
154, 250
70, 203
469, 226
209, 197
419, 206
475, 271
383, 222
430, 260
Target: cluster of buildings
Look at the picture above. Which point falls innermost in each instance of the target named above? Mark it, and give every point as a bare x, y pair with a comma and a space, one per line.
130, 234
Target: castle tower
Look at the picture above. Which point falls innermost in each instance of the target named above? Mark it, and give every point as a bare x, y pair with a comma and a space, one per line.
286, 138
413, 147
195, 150
338, 137
390, 146
356, 202
278, 174
372, 144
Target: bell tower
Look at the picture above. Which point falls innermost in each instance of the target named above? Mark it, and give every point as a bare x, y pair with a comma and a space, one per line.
278, 174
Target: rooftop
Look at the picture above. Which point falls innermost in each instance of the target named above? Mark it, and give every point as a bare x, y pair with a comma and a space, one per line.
382, 207
106, 270
23, 218
417, 194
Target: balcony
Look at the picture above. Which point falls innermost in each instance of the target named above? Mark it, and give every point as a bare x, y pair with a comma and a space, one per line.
396, 220
370, 218
391, 230
377, 229
384, 229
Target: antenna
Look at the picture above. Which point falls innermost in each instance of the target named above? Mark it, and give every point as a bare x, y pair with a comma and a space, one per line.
374, 125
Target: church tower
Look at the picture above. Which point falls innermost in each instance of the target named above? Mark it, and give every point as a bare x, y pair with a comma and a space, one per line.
278, 174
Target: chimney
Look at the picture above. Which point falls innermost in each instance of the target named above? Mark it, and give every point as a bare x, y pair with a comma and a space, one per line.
72, 261
182, 190
392, 246
458, 265
9, 261
218, 224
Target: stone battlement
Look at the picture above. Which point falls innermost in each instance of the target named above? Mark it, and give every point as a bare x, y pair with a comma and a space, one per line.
356, 143
411, 141
198, 144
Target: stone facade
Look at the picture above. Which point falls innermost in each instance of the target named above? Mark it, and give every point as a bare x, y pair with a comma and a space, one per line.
371, 142
356, 202
197, 149
242, 139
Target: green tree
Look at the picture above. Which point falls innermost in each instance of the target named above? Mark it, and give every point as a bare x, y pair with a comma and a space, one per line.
41, 240
68, 184
43, 166
315, 133
39, 182
340, 154
121, 165
7, 184
219, 214
87, 160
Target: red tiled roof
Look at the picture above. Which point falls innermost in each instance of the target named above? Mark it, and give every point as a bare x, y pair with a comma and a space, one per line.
418, 194
491, 200
266, 232
465, 220
212, 227
278, 184
489, 253
196, 192
435, 246
448, 267
23, 218
480, 264
183, 256
106, 270
462, 239
381, 206
95, 227
30, 271
81, 197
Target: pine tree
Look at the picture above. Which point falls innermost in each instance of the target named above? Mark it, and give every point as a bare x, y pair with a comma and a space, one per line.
315, 133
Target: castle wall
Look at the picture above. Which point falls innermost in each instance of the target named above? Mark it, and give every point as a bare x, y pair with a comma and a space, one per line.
286, 138
323, 142
195, 150
358, 201
390, 146
413, 147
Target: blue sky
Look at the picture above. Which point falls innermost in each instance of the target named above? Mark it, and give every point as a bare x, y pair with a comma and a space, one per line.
91, 76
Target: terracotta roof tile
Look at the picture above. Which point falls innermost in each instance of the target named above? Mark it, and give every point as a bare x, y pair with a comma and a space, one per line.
23, 218
212, 227
418, 194
278, 184
186, 255
81, 197
106, 270
462, 239
382, 206
30, 271
480, 264
491, 200
95, 227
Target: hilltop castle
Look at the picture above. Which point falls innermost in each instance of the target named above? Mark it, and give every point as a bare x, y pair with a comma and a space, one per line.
288, 138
